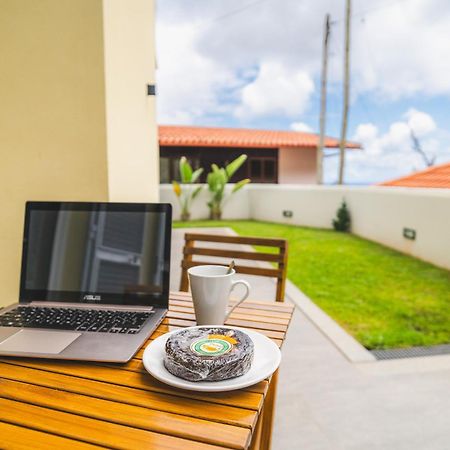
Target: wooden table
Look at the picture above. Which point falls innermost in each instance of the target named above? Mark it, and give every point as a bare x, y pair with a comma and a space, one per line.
71, 405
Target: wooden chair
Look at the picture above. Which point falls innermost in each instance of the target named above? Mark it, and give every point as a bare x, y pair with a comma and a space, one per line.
279, 258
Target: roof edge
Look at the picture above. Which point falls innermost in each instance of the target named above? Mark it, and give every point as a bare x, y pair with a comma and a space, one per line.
351, 145
406, 177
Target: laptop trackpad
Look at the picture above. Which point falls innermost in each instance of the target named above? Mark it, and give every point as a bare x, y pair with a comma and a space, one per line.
37, 341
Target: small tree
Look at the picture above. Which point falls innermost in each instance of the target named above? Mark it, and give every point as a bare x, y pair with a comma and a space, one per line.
185, 191
343, 219
217, 180
429, 160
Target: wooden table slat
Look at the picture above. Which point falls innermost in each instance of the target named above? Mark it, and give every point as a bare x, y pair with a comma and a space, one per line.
241, 398
94, 431
14, 437
162, 402
125, 414
262, 321
250, 303
189, 308
237, 323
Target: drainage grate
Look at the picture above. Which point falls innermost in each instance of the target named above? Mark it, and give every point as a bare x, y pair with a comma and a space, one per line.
412, 352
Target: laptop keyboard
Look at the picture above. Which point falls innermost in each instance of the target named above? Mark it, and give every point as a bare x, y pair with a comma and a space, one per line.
77, 319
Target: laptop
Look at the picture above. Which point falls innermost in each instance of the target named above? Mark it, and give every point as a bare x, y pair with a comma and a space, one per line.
94, 281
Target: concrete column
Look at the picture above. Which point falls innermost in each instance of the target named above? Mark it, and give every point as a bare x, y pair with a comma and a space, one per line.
133, 152
75, 119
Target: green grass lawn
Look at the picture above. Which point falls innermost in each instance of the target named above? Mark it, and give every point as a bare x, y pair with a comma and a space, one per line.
384, 298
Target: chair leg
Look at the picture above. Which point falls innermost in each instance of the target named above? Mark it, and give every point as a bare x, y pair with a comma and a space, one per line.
184, 283
187, 257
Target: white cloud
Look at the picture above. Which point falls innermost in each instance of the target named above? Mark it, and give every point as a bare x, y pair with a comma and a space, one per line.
260, 58
301, 126
397, 138
367, 134
397, 47
390, 154
276, 91
397, 50
188, 83
421, 123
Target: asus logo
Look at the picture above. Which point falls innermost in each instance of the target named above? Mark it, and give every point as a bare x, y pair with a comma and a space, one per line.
92, 298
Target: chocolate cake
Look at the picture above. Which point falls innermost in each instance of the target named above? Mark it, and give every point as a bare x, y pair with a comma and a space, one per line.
208, 354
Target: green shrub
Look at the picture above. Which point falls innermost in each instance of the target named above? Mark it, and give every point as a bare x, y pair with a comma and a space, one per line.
217, 180
185, 191
343, 219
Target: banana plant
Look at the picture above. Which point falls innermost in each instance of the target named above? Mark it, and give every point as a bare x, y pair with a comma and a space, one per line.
185, 191
217, 180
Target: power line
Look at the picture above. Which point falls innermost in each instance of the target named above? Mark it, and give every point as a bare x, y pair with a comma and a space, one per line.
233, 12
368, 11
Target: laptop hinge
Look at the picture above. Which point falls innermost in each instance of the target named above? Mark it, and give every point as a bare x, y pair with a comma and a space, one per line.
91, 306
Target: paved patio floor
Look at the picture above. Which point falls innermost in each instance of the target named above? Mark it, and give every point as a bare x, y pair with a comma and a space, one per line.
326, 402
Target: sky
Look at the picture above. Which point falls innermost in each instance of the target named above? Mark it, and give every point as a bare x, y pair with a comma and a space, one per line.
257, 63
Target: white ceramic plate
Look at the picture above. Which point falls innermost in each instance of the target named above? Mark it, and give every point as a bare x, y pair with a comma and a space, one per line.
267, 357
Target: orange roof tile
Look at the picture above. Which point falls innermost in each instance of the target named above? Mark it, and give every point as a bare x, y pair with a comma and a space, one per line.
176, 136
433, 177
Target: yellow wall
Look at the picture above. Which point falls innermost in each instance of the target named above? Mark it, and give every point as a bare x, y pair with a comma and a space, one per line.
133, 151
59, 137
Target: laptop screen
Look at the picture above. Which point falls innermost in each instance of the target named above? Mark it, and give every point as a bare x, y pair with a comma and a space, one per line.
102, 253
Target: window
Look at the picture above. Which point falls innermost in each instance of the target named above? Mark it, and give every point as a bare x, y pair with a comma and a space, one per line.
262, 169
269, 169
175, 169
256, 169
164, 170
169, 167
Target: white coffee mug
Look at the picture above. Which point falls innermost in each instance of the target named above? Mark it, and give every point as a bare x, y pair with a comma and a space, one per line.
211, 287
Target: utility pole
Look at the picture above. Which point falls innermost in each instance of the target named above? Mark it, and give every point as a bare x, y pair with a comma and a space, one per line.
346, 93
323, 100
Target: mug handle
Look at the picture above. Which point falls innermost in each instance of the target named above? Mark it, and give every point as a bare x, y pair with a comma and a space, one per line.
247, 287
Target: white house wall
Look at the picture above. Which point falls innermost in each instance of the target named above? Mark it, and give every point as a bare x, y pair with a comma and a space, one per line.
297, 165
378, 213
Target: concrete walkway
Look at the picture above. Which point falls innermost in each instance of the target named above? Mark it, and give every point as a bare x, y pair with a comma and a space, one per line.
326, 402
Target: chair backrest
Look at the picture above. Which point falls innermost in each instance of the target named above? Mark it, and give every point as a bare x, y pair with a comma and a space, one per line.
280, 258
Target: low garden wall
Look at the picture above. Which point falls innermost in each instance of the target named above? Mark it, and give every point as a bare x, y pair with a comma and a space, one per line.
237, 206
378, 213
